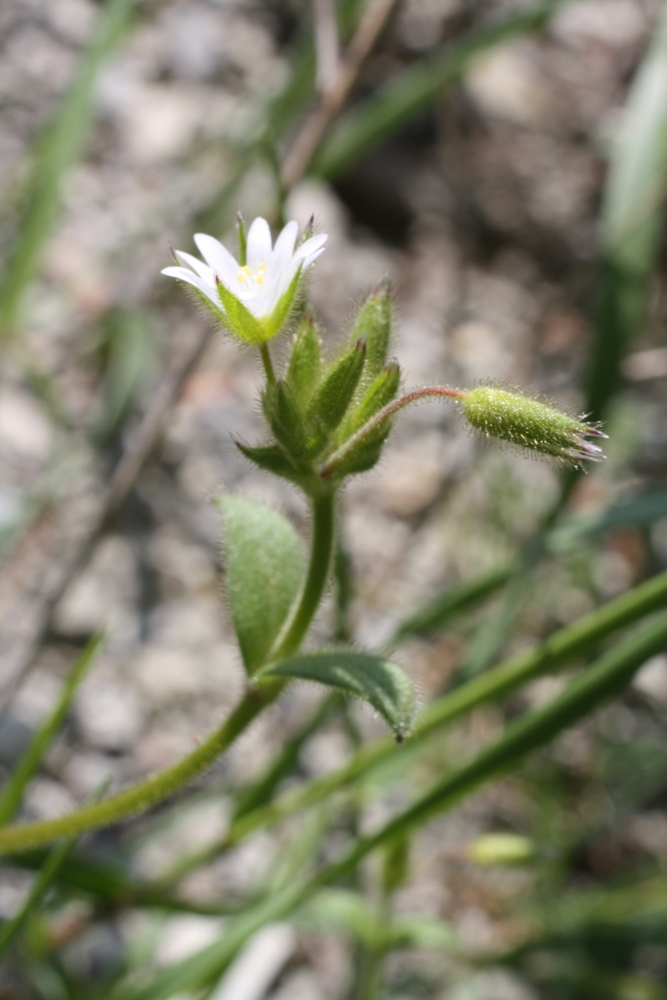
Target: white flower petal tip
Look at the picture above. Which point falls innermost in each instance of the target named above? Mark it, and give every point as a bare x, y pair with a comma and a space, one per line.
254, 297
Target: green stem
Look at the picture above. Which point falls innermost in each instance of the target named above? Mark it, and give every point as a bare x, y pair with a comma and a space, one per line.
323, 534
329, 468
257, 698
268, 364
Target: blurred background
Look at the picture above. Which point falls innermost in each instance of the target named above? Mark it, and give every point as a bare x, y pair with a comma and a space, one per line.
504, 164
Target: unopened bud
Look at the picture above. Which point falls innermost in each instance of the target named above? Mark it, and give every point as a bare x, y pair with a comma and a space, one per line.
303, 373
334, 394
373, 323
531, 424
501, 849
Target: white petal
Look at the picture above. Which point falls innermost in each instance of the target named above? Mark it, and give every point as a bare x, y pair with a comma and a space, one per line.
184, 274
284, 248
311, 257
197, 266
259, 244
218, 258
310, 246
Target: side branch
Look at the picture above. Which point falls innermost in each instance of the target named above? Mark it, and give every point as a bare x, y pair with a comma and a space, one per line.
329, 468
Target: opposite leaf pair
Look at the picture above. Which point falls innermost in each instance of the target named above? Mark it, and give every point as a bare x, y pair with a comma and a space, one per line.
265, 571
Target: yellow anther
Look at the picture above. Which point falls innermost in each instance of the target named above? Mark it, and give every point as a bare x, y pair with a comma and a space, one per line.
260, 278
247, 270
242, 275
261, 269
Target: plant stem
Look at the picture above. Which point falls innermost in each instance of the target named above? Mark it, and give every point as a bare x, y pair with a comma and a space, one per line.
263, 693
438, 391
268, 364
323, 534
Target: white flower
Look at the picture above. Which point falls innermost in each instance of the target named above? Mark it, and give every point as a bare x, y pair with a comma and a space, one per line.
252, 299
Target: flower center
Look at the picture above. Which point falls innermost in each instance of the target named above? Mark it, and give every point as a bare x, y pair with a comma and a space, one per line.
246, 275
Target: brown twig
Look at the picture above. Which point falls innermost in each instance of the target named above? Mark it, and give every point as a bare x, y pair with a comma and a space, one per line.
77, 522
309, 137
327, 48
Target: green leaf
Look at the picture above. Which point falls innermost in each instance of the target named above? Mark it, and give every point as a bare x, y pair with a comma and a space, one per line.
265, 568
378, 681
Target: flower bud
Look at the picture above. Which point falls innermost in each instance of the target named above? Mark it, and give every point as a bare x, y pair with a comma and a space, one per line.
303, 373
286, 420
334, 394
373, 323
530, 424
501, 849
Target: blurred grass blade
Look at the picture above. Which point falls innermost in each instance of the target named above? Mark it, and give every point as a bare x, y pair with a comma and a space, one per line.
533, 730
12, 793
206, 966
256, 795
632, 219
640, 511
565, 644
434, 615
41, 885
55, 152
407, 93
606, 679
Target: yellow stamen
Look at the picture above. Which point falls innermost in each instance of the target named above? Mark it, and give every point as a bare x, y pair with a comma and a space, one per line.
247, 270
260, 278
261, 269
242, 276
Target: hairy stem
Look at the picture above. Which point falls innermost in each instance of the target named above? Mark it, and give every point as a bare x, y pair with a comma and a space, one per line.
323, 533
438, 391
257, 698
265, 355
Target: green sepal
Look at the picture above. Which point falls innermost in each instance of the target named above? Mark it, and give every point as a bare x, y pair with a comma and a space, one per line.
286, 420
275, 322
206, 302
336, 390
373, 323
265, 567
239, 320
303, 373
378, 681
302, 438
242, 240
365, 454
381, 391
272, 458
